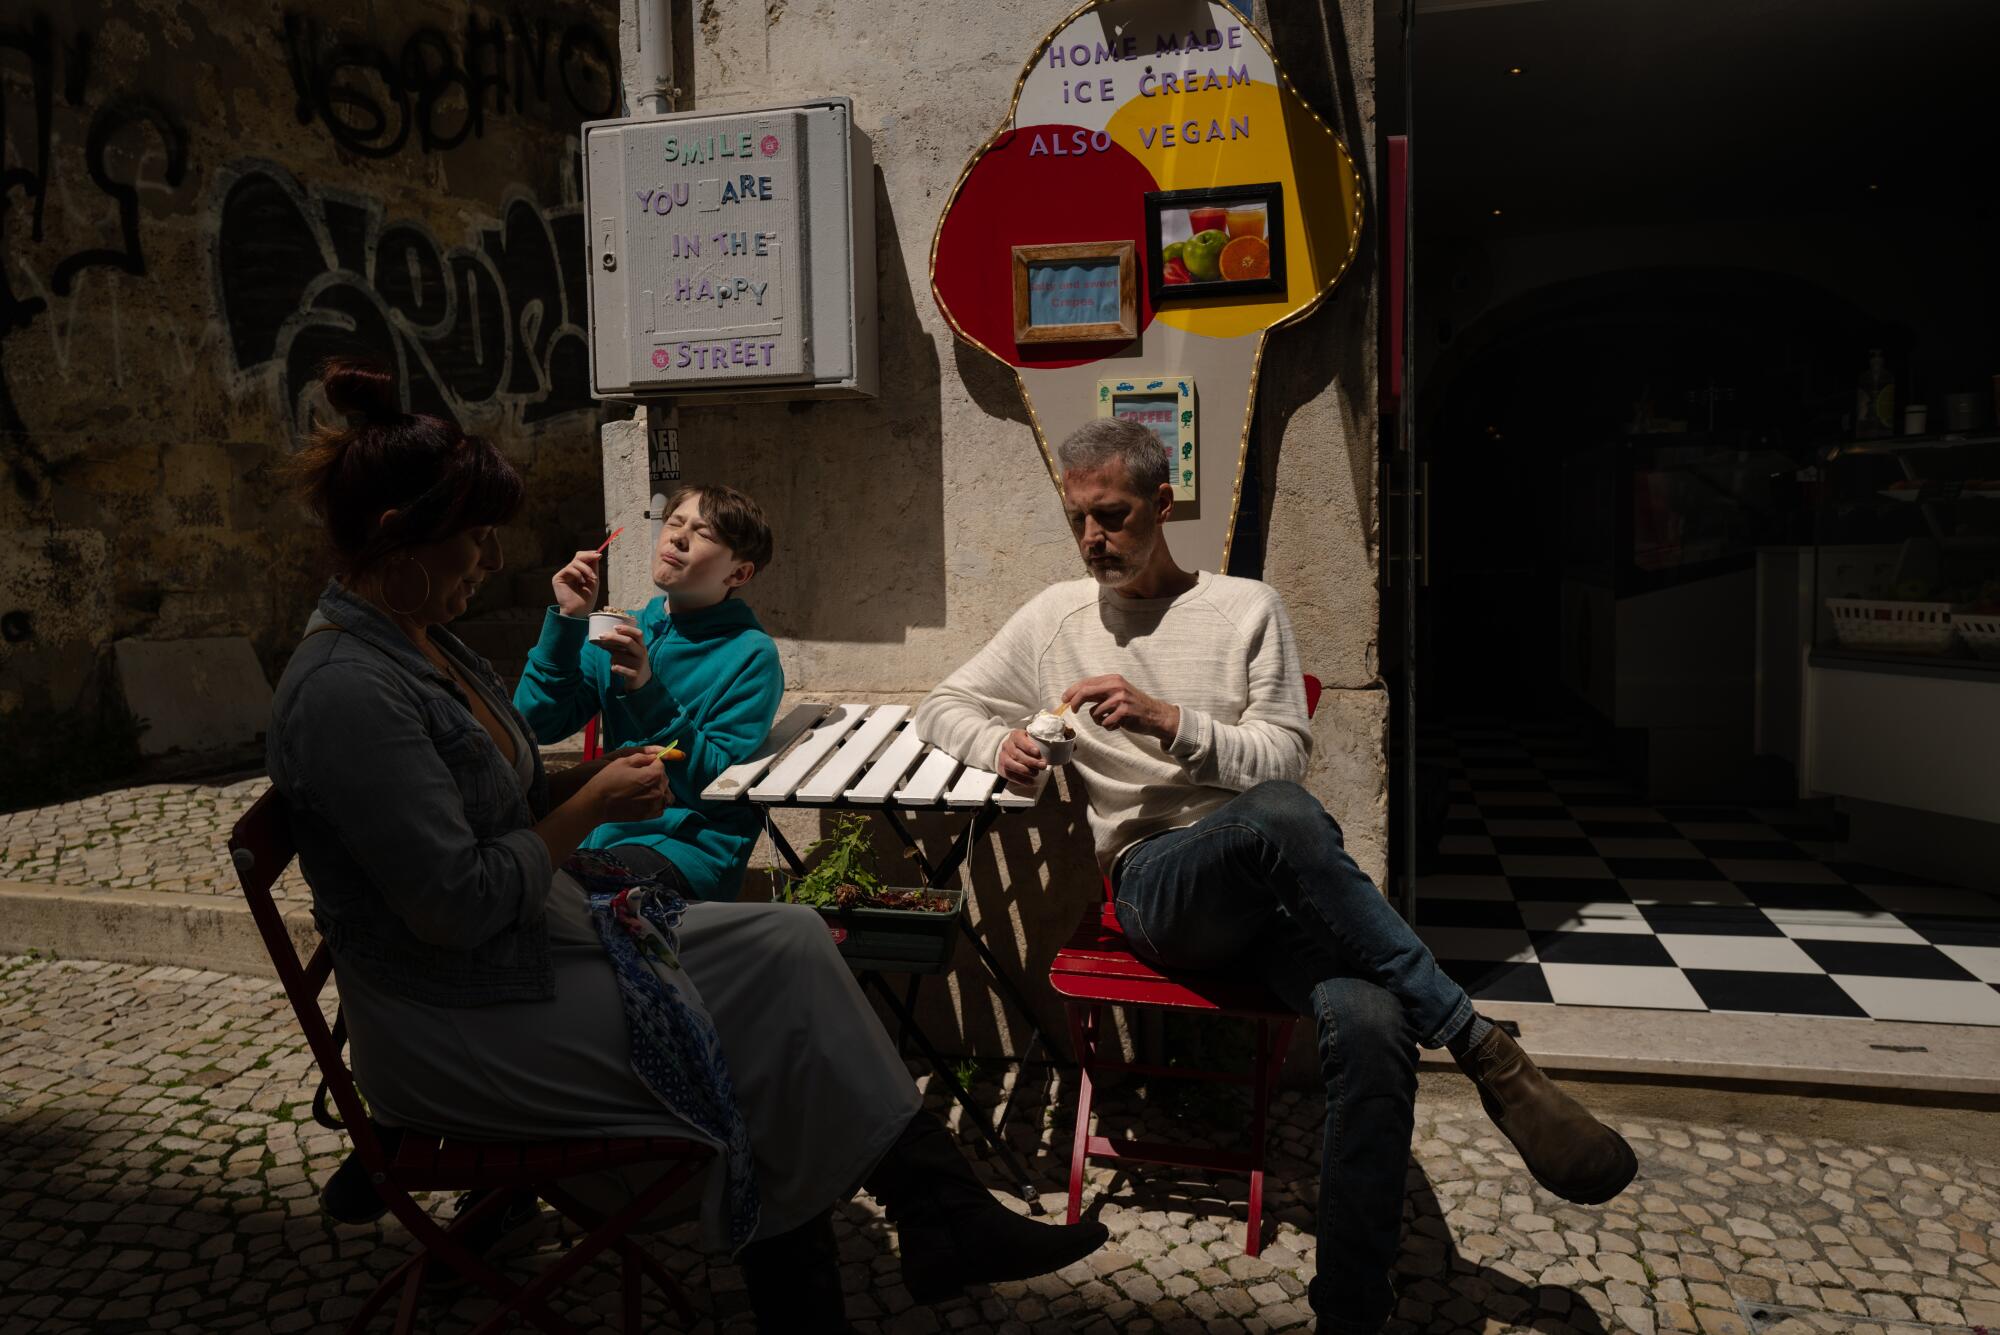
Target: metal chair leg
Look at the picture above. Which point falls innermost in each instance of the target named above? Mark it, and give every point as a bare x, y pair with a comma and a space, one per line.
1083, 1033
1260, 1102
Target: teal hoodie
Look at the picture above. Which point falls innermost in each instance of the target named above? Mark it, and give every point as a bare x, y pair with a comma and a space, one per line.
714, 691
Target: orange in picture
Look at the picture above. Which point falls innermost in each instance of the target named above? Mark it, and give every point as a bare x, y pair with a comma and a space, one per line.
1245, 257
1246, 222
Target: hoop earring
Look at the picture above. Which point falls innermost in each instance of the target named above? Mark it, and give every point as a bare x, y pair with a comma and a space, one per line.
409, 611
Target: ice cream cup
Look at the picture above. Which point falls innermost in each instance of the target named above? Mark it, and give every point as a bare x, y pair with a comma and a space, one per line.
603, 623
1056, 753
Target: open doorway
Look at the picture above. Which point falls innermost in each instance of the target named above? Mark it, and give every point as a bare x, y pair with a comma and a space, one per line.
1706, 362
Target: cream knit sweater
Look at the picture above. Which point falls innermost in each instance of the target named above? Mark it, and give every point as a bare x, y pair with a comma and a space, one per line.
1223, 651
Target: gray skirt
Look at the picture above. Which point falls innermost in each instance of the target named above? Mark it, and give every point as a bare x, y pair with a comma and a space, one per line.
818, 1082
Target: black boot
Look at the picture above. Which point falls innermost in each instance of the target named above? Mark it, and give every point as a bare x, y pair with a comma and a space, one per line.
794, 1280
951, 1231
348, 1195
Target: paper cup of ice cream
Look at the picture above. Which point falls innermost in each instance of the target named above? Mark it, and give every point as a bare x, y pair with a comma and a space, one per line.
1056, 739
604, 623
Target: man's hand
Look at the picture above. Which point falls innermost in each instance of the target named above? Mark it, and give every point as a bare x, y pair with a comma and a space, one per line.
1020, 760
575, 584
629, 661
1116, 704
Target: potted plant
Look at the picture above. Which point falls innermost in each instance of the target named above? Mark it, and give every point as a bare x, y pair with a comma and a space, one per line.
876, 925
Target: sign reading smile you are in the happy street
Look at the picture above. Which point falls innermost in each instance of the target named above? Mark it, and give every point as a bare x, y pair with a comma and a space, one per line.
712, 222
732, 255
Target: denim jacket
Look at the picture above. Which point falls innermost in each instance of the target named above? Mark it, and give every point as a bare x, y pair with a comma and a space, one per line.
412, 828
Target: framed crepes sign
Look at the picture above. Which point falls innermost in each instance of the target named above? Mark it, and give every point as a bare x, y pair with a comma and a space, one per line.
1166, 129
1080, 292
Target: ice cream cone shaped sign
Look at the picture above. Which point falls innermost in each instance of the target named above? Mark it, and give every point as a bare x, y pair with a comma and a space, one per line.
1170, 126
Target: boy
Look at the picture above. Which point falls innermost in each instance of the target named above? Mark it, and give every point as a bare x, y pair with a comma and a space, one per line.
698, 672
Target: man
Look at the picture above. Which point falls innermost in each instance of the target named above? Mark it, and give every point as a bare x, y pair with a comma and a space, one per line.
1191, 738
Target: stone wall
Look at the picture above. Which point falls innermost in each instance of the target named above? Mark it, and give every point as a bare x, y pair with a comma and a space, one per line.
204, 200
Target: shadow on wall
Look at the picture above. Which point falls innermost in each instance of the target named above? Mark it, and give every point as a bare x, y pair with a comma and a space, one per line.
990, 384
854, 489
1312, 43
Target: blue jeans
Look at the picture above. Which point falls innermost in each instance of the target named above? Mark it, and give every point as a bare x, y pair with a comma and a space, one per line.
1264, 885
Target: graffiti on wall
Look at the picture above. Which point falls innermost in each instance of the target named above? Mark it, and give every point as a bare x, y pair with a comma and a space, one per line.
129, 134
494, 322
437, 90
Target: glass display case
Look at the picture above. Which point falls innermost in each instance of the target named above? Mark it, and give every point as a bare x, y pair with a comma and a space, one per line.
1917, 523
1901, 699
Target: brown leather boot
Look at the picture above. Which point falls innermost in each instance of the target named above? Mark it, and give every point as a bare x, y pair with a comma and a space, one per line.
1570, 1152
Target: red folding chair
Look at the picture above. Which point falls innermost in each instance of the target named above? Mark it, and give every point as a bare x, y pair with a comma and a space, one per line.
261, 847
1097, 968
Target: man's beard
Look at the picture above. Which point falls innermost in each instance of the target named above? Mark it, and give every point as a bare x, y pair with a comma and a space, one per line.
1108, 572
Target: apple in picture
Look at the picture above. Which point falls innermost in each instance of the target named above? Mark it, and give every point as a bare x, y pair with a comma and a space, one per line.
1203, 254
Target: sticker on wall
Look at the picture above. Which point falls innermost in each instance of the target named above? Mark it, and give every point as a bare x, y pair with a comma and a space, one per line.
1168, 123
1163, 405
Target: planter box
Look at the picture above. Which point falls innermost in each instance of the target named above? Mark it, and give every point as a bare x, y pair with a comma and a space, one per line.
898, 940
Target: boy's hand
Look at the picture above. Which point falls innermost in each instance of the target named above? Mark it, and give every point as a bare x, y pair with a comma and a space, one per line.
575, 584
1116, 703
629, 661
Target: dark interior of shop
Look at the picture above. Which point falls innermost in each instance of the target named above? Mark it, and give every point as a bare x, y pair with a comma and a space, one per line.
1706, 362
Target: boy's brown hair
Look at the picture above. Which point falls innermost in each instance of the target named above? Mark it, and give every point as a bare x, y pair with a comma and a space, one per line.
737, 520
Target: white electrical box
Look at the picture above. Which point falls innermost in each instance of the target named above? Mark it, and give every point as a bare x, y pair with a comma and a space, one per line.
732, 255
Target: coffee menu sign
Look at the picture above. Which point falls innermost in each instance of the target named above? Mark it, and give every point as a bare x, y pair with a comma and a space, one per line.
1170, 127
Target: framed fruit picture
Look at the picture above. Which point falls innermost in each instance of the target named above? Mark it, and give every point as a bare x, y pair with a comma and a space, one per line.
1222, 241
1164, 405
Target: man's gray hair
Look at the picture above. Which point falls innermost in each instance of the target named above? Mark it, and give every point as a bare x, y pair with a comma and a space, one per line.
1102, 440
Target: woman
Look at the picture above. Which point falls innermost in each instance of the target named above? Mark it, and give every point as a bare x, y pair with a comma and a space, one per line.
488, 988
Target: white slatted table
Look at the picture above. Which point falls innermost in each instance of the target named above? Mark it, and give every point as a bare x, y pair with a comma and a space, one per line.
869, 758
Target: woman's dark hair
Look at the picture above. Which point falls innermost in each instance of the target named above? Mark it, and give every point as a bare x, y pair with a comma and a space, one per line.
437, 478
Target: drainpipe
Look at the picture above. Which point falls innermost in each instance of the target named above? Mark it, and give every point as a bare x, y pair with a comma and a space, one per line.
646, 56
633, 487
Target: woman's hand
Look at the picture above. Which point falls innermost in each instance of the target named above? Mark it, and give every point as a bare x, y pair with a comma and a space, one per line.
575, 584
631, 788
630, 663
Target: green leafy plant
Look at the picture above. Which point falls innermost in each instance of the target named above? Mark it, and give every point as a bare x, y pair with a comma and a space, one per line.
844, 875
846, 862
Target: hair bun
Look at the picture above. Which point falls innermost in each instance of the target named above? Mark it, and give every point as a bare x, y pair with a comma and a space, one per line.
361, 389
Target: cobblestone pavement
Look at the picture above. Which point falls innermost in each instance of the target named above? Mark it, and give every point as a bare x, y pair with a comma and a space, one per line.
171, 837
160, 836
159, 1170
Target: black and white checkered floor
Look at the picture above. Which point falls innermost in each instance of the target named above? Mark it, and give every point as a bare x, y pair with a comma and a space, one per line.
1554, 884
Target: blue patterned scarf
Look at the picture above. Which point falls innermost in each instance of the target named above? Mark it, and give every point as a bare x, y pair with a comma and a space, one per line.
676, 1052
